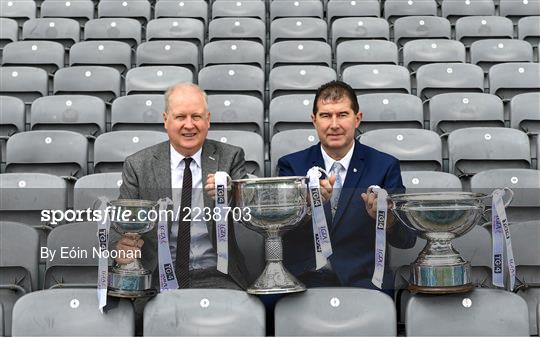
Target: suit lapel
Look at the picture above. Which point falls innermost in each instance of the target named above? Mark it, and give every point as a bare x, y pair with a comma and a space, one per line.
209, 164
162, 172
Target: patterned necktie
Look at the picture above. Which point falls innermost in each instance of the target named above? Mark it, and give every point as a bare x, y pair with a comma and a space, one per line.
338, 185
183, 241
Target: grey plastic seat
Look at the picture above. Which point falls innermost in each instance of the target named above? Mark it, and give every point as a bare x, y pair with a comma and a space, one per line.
430, 181
112, 148
298, 79
525, 112
471, 312
25, 83
121, 29
493, 148
515, 9
193, 312
100, 81
115, 54
18, 10
394, 9
359, 28
239, 79
342, 8
79, 113
135, 9
291, 8
455, 9
236, 112
239, 9
472, 28
290, 141
12, 118
187, 29
290, 112
72, 272
19, 247
528, 30
350, 53
390, 110
300, 52
451, 111
420, 27
525, 183
89, 188
438, 78
298, 29
48, 55
138, 112
9, 31
65, 31
234, 51
74, 311
378, 78
237, 29
181, 9
80, 10
420, 52
251, 143
155, 79
336, 312
509, 79
171, 53
486, 53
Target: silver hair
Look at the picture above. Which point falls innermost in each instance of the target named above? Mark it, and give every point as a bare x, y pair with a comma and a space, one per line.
174, 87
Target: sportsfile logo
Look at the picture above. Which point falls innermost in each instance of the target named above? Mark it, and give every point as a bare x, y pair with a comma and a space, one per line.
169, 274
316, 197
220, 194
497, 263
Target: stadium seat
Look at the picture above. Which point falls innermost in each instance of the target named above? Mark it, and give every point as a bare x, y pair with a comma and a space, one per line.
18, 10
232, 79
236, 112
187, 29
115, 54
472, 28
57, 152
12, 118
72, 272
89, 188
48, 55
155, 79
420, 27
134, 9
359, 28
120, 29
420, 52
297, 9
298, 79
429, 181
493, 148
19, 247
80, 10
298, 29
350, 53
25, 83
237, 28
239, 9
509, 79
193, 312
290, 141
181, 9
378, 78
100, 81
438, 78
451, 111
528, 30
342, 8
233, 52
394, 9
65, 31
168, 53
8, 31
300, 52
516, 9
251, 143
454, 9
486, 53
336, 312
416, 149
138, 112
472, 314
111, 149
73, 312
290, 112
79, 113
525, 112
390, 110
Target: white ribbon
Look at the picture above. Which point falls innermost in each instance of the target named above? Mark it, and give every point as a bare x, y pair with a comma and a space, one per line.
501, 232
321, 235
103, 226
222, 230
167, 277
380, 235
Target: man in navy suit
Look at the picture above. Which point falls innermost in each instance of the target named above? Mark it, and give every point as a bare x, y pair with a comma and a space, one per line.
351, 210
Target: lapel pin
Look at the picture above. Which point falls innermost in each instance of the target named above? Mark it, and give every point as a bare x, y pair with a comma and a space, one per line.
354, 169
210, 157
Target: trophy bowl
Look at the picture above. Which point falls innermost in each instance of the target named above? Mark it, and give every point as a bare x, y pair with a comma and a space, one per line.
275, 204
439, 218
130, 280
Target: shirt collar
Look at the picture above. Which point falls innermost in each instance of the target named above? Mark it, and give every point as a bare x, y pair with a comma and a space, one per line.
345, 161
176, 158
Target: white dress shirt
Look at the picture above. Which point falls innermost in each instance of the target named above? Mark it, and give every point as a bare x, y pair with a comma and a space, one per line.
345, 162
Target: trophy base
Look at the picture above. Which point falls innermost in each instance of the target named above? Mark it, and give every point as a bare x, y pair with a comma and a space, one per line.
275, 279
441, 278
441, 290
130, 283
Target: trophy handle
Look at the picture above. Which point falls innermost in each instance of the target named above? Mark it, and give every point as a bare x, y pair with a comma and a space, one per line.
487, 211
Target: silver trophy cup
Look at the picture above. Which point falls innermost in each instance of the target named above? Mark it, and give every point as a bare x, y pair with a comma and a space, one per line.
131, 280
276, 204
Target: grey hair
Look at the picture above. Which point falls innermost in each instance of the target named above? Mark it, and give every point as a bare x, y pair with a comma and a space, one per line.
174, 87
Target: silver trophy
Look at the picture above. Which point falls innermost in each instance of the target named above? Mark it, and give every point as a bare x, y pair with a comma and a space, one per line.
276, 204
131, 280
439, 218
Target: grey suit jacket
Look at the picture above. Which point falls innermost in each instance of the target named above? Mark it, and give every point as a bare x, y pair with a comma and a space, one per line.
147, 175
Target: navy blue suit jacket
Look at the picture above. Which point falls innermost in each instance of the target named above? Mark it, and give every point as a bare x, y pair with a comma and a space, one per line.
352, 231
